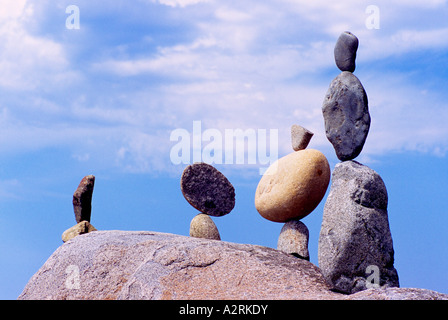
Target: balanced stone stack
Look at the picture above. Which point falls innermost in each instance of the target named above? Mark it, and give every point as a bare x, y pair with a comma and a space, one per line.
291, 188
355, 235
82, 206
209, 191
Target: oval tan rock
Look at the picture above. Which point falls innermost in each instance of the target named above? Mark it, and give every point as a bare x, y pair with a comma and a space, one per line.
202, 226
293, 186
294, 238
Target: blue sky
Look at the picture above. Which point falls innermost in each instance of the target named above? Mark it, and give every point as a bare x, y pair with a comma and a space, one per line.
103, 99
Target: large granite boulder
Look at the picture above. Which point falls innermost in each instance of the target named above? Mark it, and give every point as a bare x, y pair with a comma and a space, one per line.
397, 294
151, 265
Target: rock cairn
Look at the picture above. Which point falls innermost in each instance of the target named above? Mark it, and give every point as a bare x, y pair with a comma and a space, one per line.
209, 191
345, 108
355, 235
82, 206
291, 188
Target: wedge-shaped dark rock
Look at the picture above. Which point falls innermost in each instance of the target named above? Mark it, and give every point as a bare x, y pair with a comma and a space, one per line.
82, 199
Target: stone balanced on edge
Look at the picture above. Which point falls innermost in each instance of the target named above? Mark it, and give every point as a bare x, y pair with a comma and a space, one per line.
82, 206
291, 188
209, 191
355, 237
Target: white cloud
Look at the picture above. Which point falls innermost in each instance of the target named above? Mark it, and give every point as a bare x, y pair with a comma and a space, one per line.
234, 74
409, 40
180, 3
232, 15
421, 3
243, 64
26, 60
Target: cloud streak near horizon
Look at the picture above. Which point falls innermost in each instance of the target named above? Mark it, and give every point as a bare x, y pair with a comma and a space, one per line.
132, 74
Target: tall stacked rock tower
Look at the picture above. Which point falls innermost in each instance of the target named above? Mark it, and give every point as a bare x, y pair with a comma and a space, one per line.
291, 188
355, 249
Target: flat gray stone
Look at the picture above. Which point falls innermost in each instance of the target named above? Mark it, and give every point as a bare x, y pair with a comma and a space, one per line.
355, 239
345, 51
207, 189
346, 114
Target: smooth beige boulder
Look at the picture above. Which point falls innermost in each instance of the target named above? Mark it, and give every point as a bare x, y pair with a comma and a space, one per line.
293, 186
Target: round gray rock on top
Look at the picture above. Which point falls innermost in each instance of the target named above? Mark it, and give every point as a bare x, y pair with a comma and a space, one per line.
207, 189
346, 114
345, 51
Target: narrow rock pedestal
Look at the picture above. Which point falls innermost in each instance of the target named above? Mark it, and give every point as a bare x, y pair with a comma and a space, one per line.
202, 226
355, 244
294, 238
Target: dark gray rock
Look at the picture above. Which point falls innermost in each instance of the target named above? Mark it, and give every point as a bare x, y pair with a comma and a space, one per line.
207, 189
355, 249
345, 51
346, 114
82, 199
300, 137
